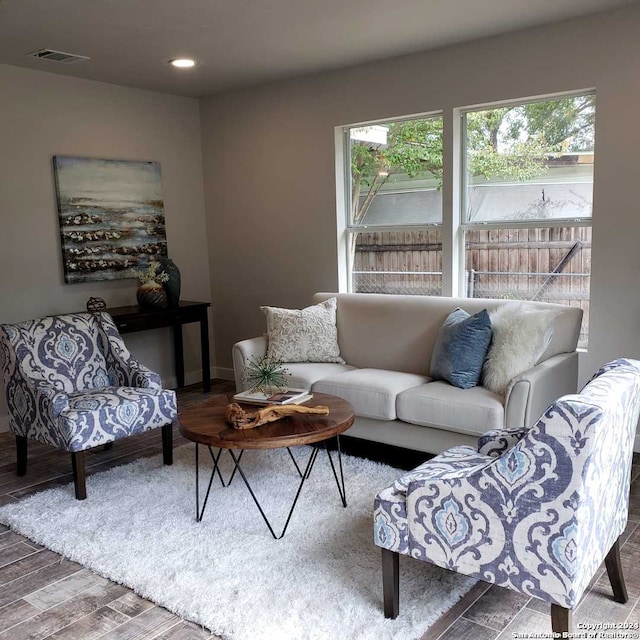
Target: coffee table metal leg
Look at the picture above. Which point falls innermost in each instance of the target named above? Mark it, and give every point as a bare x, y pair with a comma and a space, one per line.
341, 488
304, 476
233, 473
294, 462
216, 466
216, 469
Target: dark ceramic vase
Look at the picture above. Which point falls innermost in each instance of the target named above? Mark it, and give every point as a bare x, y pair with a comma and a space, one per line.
151, 294
172, 286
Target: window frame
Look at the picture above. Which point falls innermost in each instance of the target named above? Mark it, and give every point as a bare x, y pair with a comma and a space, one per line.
460, 114
346, 229
453, 226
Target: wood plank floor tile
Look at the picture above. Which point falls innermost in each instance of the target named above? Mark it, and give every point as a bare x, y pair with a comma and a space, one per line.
496, 607
463, 629
540, 606
73, 585
27, 565
15, 613
634, 616
91, 626
149, 624
526, 622
458, 609
634, 501
131, 604
598, 604
15, 552
76, 611
36, 580
10, 537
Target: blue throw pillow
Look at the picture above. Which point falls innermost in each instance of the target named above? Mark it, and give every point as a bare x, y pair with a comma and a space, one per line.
461, 347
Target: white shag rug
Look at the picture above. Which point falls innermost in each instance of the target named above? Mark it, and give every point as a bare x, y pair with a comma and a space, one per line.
321, 581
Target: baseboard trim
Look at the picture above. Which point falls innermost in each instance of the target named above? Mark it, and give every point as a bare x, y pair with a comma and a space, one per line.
225, 373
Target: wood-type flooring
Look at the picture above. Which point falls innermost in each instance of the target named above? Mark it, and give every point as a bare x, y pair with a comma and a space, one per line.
42, 595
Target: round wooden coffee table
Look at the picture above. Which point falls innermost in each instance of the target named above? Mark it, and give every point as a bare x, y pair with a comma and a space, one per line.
204, 424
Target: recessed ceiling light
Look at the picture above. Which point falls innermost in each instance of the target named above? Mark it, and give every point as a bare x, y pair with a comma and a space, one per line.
183, 63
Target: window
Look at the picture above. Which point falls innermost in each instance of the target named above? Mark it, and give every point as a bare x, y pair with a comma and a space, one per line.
523, 230
394, 215
528, 192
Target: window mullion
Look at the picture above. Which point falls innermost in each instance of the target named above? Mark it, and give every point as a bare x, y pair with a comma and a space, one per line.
452, 245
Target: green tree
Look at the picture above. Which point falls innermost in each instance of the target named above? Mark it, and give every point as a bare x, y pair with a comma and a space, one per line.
513, 143
414, 148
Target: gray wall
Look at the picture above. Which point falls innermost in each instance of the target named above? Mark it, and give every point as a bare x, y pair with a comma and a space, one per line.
269, 233
42, 115
270, 179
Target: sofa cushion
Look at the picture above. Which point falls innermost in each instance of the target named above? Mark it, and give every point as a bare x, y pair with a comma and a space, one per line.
304, 374
397, 332
303, 335
521, 334
441, 405
461, 347
371, 392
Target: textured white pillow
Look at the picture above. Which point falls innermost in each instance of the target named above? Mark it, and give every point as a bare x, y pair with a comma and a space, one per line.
521, 333
303, 335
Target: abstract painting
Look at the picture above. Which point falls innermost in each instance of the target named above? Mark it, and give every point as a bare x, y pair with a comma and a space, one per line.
111, 216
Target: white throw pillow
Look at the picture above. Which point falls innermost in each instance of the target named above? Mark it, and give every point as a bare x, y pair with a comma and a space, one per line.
303, 335
521, 333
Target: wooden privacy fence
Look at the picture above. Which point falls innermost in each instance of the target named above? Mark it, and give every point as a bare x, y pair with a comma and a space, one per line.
550, 264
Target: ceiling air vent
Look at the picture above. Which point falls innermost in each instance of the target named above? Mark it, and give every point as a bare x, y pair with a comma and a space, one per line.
58, 56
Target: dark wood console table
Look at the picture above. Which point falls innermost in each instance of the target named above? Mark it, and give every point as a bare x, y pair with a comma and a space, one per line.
135, 318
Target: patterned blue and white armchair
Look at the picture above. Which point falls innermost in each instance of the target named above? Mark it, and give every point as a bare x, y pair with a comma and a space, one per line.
71, 383
535, 510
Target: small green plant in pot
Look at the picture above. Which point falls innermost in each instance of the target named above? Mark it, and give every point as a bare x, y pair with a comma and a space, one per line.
266, 375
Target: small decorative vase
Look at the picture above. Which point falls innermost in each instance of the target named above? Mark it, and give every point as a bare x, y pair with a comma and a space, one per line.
151, 294
172, 286
96, 305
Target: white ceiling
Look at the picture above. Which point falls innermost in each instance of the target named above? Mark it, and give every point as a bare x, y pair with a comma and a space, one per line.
244, 42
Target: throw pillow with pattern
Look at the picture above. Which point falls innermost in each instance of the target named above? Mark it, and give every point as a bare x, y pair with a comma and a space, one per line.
303, 335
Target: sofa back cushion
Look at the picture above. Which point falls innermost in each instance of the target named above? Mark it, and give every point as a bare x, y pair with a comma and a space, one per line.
398, 332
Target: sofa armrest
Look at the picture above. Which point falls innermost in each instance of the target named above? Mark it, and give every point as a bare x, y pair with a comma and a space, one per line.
531, 392
242, 352
495, 442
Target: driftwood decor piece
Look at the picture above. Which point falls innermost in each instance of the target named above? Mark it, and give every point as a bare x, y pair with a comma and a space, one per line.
235, 416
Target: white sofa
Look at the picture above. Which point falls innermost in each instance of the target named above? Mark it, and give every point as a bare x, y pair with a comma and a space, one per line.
387, 342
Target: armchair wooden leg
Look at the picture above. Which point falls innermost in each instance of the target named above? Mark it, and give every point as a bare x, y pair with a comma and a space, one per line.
79, 477
561, 620
21, 455
391, 583
167, 443
614, 571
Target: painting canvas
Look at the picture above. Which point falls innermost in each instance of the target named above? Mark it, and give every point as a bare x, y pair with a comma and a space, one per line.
111, 216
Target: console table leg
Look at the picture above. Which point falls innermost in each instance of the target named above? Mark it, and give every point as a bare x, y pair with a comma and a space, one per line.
178, 352
204, 345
